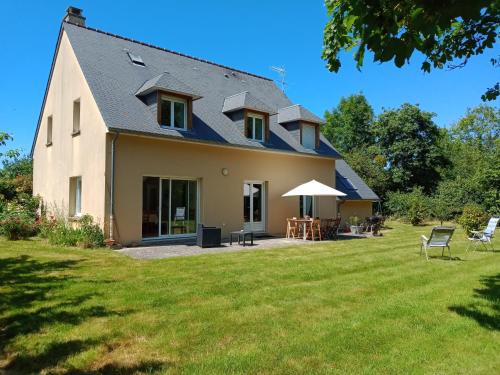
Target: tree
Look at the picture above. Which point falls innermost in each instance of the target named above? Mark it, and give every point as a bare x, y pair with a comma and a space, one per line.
411, 144
443, 31
474, 149
370, 165
480, 127
348, 126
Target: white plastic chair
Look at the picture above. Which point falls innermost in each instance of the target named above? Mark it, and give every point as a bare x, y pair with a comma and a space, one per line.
440, 237
484, 237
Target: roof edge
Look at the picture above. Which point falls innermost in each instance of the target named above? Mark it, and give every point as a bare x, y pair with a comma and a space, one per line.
218, 144
49, 80
168, 50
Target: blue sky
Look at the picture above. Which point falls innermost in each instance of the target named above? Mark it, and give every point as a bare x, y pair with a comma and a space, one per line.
248, 35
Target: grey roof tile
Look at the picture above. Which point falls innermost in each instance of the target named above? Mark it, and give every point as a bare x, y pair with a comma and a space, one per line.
114, 81
348, 182
167, 82
297, 112
244, 100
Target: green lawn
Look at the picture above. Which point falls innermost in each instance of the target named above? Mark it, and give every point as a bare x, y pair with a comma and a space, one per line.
355, 306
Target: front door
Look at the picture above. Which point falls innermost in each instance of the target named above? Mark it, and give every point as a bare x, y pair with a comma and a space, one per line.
254, 205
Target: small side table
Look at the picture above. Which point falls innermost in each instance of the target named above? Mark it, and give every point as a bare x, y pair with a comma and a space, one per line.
241, 235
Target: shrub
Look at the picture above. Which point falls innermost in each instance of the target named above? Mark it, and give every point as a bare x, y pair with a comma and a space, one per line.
17, 225
473, 218
18, 219
91, 235
412, 207
86, 234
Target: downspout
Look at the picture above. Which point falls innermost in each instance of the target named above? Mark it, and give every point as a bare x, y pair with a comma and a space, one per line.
112, 189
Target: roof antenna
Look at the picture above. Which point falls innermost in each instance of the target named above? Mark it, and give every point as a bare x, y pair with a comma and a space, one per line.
282, 73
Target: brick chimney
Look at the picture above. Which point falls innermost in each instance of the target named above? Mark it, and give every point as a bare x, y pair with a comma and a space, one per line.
74, 15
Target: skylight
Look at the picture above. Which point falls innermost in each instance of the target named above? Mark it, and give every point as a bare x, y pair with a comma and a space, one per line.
136, 59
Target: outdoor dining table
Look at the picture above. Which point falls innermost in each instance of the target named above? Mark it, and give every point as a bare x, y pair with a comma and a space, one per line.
304, 222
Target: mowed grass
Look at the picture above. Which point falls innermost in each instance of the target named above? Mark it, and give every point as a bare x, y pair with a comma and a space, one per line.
354, 306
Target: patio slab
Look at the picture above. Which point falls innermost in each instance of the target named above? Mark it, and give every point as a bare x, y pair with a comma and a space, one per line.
190, 249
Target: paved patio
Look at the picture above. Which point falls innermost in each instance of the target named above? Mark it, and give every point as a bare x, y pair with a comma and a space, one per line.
190, 249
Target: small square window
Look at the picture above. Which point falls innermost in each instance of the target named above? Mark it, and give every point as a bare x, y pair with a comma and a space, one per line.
49, 131
173, 112
76, 117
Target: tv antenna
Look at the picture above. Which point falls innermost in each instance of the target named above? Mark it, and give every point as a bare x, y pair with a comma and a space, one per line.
282, 73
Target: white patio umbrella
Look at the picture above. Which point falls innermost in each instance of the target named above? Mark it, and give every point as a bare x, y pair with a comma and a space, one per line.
315, 189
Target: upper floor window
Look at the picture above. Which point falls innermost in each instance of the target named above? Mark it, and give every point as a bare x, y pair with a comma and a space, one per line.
76, 117
173, 112
255, 127
308, 137
49, 131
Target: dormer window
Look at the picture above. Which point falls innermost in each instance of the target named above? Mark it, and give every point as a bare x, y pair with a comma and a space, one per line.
173, 112
308, 136
255, 127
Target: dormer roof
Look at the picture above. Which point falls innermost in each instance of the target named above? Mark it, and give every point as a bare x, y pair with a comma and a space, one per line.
167, 82
297, 112
245, 100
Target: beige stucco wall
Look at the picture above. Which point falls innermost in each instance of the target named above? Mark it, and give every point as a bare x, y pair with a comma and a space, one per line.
221, 196
82, 155
361, 209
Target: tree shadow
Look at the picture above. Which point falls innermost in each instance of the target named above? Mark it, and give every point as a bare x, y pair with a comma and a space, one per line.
34, 296
486, 310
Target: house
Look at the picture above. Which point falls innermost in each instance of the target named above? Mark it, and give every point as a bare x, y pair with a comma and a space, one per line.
151, 142
359, 197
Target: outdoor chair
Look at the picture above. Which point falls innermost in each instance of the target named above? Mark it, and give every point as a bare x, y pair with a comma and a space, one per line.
440, 237
292, 229
484, 237
314, 229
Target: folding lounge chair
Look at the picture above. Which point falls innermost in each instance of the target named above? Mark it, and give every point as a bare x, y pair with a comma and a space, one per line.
440, 237
484, 237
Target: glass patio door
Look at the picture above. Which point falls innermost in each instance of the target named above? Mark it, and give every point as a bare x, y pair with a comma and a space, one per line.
254, 206
170, 207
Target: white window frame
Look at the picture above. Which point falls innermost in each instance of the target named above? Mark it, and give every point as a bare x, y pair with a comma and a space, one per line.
254, 116
78, 196
173, 100
303, 140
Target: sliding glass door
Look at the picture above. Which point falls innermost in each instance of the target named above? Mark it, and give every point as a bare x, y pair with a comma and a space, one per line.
170, 207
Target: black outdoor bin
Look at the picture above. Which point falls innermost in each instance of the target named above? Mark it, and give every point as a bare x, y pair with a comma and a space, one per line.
208, 236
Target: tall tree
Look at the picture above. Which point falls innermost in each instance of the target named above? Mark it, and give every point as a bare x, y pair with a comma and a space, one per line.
348, 125
444, 31
370, 165
474, 149
480, 127
411, 144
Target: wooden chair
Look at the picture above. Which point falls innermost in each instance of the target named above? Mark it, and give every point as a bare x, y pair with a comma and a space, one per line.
292, 229
314, 229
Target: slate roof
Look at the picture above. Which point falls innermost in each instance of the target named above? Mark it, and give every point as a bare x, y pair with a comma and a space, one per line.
166, 81
114, 80
297, 112
245, 100
348, 182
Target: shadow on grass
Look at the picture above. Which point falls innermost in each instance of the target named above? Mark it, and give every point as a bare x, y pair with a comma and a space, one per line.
36, 296
446, 257
486, 310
